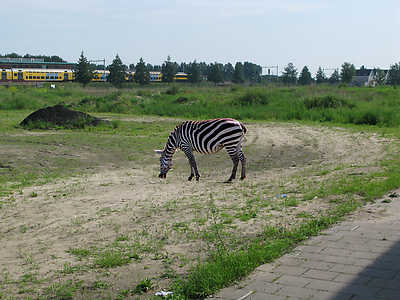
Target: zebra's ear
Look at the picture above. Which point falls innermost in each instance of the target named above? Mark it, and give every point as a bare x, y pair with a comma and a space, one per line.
158, 151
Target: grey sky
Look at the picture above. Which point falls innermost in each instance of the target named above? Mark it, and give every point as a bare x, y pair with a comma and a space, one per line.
305, 32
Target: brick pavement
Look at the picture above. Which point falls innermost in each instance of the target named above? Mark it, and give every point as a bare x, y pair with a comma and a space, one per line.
356, 259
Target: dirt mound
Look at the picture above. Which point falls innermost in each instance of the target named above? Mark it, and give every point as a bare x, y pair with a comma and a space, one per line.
59, 115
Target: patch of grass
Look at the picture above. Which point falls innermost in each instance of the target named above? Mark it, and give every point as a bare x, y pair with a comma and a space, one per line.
111, 259
143, 287
68, 268
291, 202
122, 238
80, 252
63, 291
304, 215
246, 216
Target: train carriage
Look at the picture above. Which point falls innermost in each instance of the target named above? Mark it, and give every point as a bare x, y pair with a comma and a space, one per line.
100, 75
34, 75
180, 76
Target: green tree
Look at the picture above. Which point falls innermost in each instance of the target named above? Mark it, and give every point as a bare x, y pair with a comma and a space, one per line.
142, 75
228, 72
117, 72
320, 76
216, 73
83, 73
289, 75
238, 76
168, 70
394, 74
252, 72
132, 67
335, 77
194, 72
305, 76
347, 72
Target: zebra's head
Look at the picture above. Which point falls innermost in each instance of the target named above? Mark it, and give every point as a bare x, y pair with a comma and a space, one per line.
165, 164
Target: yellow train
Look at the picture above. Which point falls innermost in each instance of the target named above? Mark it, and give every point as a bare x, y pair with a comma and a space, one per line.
59, 75
37, 75
180, 76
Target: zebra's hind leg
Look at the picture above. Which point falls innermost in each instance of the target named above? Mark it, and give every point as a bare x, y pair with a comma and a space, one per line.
235, 160
243, 162
191, 174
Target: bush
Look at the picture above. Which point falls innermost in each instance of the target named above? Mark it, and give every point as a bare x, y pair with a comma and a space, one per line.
368, 118
326, 102
253, 96
173, 90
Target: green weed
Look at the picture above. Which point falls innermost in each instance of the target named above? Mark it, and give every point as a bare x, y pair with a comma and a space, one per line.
143, 287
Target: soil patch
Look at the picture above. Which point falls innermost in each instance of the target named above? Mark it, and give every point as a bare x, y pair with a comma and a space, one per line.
59, 115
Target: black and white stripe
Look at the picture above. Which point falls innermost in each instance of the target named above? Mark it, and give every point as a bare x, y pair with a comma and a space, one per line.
205, 137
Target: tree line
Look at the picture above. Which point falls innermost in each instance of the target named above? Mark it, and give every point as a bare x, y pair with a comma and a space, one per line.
346, 75
197, 72
53, 58
246, 72
217, 72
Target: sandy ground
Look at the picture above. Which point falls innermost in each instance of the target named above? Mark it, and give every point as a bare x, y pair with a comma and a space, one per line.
166, 225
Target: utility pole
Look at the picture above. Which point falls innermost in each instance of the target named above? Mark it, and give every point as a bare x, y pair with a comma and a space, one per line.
269, 70
104, 64
330, 69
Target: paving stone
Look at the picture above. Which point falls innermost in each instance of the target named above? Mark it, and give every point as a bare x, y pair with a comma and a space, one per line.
336, 252
333, 237
364, 254
328, 258
264, 287
266, 276
291, 261
324, 285
318, 265
384, 283
361, 290
361, 261
264, 296
289, 270
389, 294
293, 281
331, 296
347, 269
364, 297
310, 248
318, 274
290, 291
353, 279
379, 273
230, 293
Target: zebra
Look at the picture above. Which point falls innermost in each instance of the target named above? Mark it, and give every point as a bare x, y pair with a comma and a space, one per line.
206, 137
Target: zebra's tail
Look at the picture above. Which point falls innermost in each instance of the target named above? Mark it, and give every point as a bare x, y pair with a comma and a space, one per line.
244, 128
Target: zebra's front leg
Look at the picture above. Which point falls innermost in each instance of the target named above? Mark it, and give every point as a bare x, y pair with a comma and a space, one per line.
192, 163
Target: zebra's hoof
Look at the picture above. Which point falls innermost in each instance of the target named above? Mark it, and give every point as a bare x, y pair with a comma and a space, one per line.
197, 178
241, 178
190, 178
